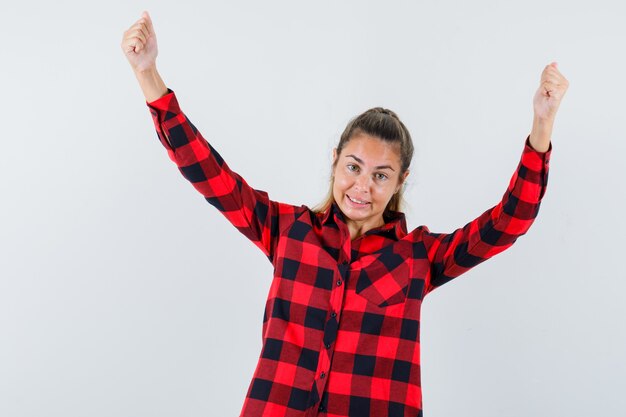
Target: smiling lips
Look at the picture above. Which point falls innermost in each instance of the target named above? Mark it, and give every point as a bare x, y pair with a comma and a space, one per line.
357, 202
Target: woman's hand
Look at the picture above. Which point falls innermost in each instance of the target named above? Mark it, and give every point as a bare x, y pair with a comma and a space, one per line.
551, 90
140, 45
546, 102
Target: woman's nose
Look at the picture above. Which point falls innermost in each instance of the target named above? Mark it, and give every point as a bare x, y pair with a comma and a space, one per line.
363, 183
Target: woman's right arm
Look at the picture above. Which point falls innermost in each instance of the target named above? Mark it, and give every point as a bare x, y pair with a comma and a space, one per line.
249, 210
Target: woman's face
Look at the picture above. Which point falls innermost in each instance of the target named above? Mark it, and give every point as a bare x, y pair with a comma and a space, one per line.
368, 170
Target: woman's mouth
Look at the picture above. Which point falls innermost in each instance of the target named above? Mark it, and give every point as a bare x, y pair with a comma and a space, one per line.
356, 203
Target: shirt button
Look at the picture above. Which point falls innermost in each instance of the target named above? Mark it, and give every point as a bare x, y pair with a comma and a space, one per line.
338, 282
321, 408
323, 374
333, 314
327, 345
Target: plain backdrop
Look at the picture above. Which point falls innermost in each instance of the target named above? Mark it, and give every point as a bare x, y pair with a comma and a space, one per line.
124, 293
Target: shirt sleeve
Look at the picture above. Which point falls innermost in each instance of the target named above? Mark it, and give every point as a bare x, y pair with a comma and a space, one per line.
452, 254
248, 209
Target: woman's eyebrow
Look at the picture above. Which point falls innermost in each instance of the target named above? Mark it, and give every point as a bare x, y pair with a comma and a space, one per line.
378, 167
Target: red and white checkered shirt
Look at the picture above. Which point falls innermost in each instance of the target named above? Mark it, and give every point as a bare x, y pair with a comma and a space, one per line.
342, 320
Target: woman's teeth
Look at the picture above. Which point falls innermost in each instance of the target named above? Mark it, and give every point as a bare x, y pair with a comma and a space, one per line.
356, 201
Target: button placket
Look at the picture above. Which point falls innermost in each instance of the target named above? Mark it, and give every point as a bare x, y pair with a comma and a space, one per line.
332, 325
323, 402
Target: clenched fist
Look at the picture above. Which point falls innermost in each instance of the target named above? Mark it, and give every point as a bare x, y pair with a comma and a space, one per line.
140, 45
552, 88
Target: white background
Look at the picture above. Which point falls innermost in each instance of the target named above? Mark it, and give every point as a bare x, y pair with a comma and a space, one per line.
124, 293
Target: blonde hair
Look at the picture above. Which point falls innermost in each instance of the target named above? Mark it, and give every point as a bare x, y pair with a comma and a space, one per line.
385, 125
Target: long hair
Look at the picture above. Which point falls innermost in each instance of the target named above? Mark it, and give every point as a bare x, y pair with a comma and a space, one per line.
383, 124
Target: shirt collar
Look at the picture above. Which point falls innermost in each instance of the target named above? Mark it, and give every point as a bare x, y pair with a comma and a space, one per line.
395, 221
328, 214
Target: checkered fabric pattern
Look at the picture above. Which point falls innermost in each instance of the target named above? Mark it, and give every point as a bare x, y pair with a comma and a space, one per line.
342, 319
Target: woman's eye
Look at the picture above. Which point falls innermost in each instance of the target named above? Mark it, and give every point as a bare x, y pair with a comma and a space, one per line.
382, 177
352, 165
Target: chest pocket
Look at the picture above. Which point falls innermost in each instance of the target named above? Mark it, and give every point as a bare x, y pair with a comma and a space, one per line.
383, 276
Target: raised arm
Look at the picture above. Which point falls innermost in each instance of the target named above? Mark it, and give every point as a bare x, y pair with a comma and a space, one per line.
452, 254
249, 210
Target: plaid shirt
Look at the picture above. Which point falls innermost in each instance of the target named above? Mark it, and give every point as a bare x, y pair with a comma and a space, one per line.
342, 318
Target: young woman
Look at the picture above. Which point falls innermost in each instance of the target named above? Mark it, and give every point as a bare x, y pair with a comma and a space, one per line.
341, 323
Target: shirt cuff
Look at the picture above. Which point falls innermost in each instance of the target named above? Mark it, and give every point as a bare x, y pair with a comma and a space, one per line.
533, 159
163, 105
164, 109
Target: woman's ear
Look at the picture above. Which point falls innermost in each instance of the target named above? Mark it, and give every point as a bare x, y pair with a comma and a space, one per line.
334, 154
403, 180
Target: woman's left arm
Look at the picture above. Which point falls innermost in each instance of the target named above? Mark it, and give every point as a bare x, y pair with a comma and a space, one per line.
452, 254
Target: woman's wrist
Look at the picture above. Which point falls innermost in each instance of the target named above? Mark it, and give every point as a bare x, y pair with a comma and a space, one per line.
151, 83
541, 134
